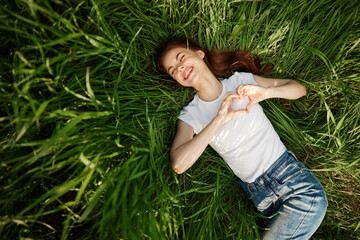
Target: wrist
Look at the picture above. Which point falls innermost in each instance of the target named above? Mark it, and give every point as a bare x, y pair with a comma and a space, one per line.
219, 120
270, 93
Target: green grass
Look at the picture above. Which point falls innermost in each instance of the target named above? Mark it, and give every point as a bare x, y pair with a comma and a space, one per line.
87, 122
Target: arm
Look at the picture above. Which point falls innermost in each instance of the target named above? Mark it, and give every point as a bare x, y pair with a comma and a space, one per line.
281, 88
186, 149
271, 88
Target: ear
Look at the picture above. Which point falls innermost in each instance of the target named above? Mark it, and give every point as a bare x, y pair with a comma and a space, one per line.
200, 53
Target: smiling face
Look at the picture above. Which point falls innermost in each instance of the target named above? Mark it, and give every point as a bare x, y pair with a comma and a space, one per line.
184, 65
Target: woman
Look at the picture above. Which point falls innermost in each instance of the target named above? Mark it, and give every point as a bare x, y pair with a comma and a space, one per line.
226, 114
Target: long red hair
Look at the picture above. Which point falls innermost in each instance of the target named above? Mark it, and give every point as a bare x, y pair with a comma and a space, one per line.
219, 62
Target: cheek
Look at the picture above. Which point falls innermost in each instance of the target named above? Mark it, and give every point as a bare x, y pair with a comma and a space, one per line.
178, 76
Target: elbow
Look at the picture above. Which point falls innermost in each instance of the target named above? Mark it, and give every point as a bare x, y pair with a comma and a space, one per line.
178, 170
303, 91
300, 90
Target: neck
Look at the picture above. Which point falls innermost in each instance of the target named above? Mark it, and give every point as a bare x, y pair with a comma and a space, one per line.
209, 88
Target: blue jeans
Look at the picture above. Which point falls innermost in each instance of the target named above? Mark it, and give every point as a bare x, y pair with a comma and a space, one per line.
291, 192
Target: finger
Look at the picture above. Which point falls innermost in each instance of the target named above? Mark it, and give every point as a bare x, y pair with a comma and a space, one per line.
241, 90
226, 97
229, 96
227, 100
238, 90
241, 111
252, 102
245, 90
237, 113
240, 93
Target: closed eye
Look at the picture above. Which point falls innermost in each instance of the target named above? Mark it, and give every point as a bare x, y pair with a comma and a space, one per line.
182, 57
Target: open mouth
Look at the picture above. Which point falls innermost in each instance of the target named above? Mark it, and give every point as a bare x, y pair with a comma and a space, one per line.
187, 72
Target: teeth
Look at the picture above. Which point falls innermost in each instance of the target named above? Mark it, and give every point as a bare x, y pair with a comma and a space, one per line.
187, 73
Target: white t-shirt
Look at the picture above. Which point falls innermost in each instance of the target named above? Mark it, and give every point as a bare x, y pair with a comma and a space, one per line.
248, 143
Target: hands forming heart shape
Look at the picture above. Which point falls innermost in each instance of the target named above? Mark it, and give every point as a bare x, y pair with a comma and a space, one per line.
241, 101
249, 95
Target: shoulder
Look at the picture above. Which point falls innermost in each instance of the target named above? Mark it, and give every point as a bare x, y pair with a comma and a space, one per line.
240, 78
189, 114
193, 104
244, 78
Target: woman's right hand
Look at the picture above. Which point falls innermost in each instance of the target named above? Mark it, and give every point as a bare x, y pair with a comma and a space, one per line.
226, 113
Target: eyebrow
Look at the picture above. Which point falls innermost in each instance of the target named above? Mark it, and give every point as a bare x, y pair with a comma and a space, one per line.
177, 55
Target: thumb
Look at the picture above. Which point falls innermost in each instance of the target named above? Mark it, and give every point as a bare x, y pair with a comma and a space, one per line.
252, 102
240, 111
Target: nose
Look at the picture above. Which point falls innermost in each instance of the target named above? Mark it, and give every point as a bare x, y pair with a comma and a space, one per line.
181, 68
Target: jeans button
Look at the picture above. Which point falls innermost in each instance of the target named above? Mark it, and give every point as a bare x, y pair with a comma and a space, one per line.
261, 182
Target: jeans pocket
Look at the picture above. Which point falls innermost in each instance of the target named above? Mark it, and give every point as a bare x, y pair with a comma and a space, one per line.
288, 172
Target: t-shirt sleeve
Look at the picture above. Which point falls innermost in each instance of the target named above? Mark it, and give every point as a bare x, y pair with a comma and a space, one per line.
243, 78
186, 116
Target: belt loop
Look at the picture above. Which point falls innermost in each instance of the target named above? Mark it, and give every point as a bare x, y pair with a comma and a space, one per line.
268, 179
293, 154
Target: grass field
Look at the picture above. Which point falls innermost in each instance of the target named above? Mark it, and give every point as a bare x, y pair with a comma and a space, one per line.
87, 122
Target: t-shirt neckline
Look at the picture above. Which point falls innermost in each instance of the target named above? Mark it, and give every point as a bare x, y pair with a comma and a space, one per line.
215, 100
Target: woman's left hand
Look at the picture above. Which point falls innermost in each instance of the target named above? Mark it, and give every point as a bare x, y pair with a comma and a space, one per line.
254, 92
